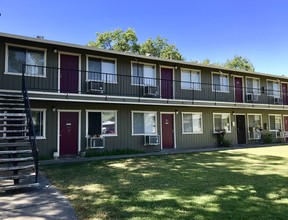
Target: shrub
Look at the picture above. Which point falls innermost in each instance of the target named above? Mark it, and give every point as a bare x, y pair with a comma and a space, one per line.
222, 141
267, 138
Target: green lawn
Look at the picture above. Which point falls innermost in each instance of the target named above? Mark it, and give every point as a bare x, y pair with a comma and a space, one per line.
234, 184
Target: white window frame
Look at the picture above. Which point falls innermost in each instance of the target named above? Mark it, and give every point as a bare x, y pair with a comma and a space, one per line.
250, 114
279, 115
276, 94
219, 113
24, 47
101, 58
192, 87
43, 110
101, 111
192, 113
221, 86
156, 122
257, 89
145, 64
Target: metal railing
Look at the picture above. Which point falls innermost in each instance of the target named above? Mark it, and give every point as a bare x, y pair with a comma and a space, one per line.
30, 124
57, 80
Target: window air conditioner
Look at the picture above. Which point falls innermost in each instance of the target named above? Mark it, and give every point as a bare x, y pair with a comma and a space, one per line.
151, 139
95, 87
151, 90
96, 142
251, 97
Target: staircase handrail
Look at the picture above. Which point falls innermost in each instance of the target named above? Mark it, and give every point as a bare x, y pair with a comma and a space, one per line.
31, 128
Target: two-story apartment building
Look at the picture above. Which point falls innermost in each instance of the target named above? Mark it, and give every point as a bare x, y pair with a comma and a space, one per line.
84, 98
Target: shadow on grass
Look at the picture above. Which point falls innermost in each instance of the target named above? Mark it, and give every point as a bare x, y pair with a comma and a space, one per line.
218, 185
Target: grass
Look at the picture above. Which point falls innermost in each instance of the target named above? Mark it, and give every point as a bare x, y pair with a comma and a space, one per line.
234, 184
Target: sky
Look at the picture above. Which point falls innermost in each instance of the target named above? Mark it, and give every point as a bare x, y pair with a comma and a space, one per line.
201, 29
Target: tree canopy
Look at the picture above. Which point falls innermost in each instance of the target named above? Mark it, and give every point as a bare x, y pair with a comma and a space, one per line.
117, 40
127, 41
240, 63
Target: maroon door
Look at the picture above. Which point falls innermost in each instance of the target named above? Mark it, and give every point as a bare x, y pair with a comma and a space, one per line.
238, 89
241, 129
68, 133
167, 131
286, 126
167, 83
284, 93
69, 73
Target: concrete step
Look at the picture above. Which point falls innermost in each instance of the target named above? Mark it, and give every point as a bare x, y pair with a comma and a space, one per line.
11, 95
13, 131
12, 114
13, 119
18, 186
10, 99
5, 152
15, 144
17, 159
12, 104
15, 177
11, 168
13, 125
12, 108
13, 138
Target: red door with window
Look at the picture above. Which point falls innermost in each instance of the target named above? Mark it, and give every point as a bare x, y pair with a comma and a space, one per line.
167, 131
68, 133
284, 94
167, 83
69, 66
286, 127
238, 89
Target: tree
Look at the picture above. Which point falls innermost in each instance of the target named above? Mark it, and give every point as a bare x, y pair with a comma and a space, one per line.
160, 48
127, 41
240, 63
117, 40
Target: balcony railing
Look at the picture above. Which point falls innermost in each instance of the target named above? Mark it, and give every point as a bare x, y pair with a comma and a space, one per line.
56, 80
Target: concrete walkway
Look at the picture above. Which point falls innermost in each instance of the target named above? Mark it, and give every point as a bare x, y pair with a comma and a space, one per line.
43, 202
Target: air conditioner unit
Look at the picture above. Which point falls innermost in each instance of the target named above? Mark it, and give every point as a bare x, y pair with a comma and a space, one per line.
151, 139
151, 90
95, 87
277, 101
97, 142
250, 97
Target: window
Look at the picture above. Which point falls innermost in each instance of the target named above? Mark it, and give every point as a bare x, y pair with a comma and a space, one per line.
221, 122
101, 70
102, 123
254, 126
273, 89
33, 58
144, 123
143, 74
192, 123
275, 123
190, 79
39, 120
253, 86
220, 82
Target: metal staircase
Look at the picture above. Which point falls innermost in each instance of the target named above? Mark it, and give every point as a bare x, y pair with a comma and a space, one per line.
18, 152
